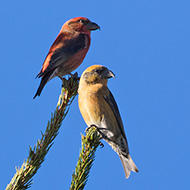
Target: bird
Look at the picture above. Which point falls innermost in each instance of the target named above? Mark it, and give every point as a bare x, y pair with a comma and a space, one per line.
99, 109
68, 50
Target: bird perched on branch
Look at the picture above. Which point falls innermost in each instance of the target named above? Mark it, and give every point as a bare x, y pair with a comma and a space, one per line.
68, 50
98, 108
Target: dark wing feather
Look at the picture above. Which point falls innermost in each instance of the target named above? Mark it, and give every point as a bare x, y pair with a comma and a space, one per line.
112, 103
62, 54
43, 83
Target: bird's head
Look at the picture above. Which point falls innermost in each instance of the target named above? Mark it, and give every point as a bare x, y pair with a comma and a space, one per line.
96, 74
81, 24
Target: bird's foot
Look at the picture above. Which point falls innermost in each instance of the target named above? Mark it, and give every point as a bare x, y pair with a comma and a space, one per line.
75, 75
88, 128
63, 79
102, 135
101, 145
98, 129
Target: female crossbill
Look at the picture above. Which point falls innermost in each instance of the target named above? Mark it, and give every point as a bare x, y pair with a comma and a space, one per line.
98, 108
68, 50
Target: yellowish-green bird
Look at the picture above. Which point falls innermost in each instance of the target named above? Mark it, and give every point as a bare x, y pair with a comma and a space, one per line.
99, 108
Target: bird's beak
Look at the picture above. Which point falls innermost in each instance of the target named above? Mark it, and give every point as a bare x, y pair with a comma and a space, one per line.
92, 26
108, 74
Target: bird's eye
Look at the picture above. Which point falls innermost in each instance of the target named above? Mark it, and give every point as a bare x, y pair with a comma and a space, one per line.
97, 71
83, 21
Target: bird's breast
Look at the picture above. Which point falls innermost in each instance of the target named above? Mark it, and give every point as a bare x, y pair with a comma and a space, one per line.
95, 110
72, 63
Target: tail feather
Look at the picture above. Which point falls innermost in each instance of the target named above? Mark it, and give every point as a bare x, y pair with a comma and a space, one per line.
43, 82
128, 165
40, 88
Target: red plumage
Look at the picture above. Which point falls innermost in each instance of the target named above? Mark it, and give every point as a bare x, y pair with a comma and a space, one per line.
68, 50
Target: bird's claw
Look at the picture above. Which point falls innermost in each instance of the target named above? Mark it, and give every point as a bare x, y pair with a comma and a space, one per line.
75, 75
101, 145
103, 136
63, 81
87, 129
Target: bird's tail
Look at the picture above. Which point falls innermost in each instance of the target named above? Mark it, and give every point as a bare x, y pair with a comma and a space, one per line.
40, 88
128, 165
43, 82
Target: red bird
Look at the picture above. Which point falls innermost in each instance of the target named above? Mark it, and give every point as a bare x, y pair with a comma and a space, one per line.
68, 50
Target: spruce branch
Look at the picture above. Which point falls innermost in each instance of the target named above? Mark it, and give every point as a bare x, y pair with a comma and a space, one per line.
23, 177
90, 143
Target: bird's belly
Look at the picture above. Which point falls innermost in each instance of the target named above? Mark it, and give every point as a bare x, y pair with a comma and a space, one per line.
97, 113
71, 64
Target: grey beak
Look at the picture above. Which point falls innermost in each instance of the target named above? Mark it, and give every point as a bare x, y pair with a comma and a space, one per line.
109, 74
92, 26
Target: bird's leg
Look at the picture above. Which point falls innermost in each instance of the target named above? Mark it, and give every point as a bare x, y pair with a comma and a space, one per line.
75, 75
98, 129
103, 136
87, 129
63, 81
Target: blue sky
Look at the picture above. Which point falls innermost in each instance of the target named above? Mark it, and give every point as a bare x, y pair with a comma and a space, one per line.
146, 44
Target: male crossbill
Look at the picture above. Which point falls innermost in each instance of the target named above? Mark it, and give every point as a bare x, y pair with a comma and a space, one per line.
98, 108
68, 50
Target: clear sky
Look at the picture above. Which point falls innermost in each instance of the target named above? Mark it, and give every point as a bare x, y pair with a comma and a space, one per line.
146, 44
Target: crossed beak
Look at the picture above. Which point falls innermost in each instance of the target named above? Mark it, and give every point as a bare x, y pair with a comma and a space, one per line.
92, 26
108, 74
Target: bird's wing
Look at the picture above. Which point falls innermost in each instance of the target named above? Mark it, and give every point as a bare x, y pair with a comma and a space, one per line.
65, 49
113, 105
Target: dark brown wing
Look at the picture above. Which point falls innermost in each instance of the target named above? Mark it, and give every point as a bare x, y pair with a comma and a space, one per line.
63, 53
112, 103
